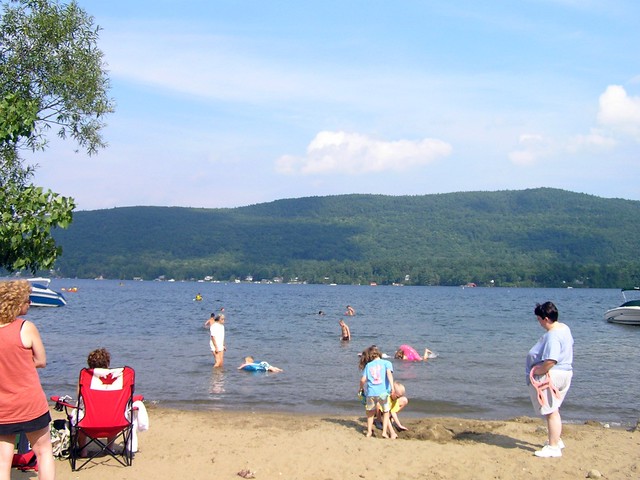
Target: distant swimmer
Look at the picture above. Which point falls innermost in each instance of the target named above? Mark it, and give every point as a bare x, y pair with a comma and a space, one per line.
350, 311
320, 313
406, 352
345, 332
198, 298
256, 366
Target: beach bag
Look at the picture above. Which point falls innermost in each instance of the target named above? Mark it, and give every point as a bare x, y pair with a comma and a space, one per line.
25, 461
60, 438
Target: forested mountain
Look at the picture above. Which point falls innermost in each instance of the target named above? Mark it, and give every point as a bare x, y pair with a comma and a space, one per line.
538, 237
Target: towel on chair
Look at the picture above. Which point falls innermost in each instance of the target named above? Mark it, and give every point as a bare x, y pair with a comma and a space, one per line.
140, 416
140, 423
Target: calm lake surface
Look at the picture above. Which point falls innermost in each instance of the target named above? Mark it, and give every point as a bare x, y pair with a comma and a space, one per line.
482, 336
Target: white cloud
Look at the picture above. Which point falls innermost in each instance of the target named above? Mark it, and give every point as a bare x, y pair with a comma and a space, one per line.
353, 153
531, 148
593, 139
619, 111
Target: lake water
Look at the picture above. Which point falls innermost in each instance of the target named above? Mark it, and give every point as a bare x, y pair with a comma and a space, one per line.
482, 336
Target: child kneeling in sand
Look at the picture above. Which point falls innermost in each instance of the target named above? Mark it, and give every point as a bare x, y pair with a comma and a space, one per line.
253, 366
398, 400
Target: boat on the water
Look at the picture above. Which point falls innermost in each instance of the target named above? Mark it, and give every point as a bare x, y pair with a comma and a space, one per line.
43, 296
629, 312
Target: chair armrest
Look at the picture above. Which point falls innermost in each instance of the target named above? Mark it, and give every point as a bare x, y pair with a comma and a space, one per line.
61, 403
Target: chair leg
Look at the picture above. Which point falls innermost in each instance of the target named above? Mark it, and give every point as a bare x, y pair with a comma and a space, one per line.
125, 458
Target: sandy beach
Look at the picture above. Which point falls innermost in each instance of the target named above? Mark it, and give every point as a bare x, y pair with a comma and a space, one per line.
220, 444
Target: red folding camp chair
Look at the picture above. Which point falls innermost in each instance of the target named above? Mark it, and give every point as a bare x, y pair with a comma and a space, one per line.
104, 416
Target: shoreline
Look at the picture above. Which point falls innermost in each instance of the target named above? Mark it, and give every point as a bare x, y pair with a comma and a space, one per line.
408, 414
199, 444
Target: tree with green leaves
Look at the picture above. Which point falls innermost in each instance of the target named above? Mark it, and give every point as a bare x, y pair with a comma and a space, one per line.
52, 76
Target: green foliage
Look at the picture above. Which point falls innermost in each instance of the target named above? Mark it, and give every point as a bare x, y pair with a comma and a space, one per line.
17, 118
27, 216
49, 59
540, 237
51, 75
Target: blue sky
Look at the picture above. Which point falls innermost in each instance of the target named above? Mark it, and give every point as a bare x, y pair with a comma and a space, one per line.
237, 102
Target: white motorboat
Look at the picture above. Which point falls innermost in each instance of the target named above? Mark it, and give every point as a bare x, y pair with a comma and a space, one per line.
43, 296
629, 312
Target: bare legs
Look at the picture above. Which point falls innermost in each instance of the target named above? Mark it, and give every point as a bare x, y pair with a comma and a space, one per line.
41, 445
6, 455
370, 415
554, 427
219, 358
386, 425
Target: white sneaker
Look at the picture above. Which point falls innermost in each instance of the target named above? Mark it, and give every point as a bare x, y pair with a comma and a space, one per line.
560, 444
548, 451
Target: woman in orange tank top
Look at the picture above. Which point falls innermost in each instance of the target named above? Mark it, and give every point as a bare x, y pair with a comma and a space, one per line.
23, 403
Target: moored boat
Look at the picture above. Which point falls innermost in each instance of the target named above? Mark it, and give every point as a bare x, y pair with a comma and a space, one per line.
629, 312
43, 296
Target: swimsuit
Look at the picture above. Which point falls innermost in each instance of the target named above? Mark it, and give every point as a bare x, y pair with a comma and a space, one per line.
410, 353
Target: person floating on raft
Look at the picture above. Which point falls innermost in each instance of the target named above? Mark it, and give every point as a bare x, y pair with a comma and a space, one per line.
257, 366
407, 352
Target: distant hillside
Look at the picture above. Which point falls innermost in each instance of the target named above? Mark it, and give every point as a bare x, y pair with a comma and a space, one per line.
541, 237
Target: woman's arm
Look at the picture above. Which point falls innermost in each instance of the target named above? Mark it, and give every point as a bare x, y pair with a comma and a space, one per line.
30, 337
544, 367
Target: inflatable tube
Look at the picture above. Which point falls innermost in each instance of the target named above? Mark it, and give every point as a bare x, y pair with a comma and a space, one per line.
256, 367
410, 353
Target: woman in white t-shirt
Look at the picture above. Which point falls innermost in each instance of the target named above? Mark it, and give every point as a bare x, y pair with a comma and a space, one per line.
550, 360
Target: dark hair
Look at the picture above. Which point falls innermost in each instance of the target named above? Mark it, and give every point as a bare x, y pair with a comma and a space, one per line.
99, 358
546, 310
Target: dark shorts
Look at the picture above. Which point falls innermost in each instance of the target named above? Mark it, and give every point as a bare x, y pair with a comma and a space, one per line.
30, 426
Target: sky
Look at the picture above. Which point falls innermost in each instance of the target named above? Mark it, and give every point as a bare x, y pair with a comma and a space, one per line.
227, 103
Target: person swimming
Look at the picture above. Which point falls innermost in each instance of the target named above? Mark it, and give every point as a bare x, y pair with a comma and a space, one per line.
251, 365
407, 352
